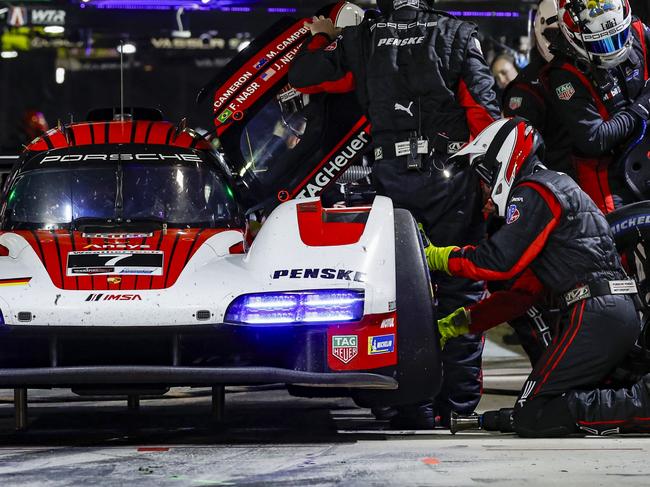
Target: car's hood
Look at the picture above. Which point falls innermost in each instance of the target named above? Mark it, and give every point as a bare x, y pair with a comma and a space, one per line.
114, 262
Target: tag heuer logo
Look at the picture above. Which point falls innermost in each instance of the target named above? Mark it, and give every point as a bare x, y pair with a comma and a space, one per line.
345, 347
565, 92
225, 115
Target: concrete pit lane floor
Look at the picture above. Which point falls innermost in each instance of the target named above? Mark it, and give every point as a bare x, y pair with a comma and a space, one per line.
271, 438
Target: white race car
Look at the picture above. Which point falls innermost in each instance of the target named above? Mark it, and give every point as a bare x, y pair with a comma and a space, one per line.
126, 265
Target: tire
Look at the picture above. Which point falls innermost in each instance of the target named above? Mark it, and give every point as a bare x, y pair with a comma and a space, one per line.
631, 229
419, 367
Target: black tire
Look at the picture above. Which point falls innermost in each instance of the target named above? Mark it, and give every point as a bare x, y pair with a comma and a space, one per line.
419, 369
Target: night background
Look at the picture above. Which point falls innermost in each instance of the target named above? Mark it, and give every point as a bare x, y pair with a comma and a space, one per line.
69, 63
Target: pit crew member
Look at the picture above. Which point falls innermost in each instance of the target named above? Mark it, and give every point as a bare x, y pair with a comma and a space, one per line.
599, 91
562, 247
421, 77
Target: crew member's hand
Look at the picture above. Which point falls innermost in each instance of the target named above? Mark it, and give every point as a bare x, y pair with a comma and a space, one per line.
438, 258
641, 106
322, 25
454, 325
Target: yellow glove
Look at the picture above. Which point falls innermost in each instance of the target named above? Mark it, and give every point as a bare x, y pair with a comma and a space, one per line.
454, 325
438, 257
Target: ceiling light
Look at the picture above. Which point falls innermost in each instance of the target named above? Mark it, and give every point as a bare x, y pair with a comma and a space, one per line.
127, 48
8, 54
59, 76
54, 29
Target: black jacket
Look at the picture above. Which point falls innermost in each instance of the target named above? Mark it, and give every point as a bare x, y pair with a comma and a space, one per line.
592, 103
555, 238
412, 71
528, 97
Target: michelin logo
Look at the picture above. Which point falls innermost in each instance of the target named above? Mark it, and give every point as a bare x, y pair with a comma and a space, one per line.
630, 223
338, 274
381, 344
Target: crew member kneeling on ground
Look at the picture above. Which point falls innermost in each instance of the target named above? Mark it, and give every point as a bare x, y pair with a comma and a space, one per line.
562, 247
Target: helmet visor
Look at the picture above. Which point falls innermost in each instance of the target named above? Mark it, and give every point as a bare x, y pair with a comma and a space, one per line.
607, 45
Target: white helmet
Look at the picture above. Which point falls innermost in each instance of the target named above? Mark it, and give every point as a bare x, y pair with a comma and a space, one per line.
346, 14
598, 30
546, 27
499, 153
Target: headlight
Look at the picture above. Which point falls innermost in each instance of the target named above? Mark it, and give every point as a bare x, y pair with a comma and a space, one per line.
321, 306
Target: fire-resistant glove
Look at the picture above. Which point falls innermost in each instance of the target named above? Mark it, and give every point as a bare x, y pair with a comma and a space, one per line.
454, 325
438, 258
641, 106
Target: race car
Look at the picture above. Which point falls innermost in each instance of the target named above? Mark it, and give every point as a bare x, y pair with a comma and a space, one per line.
126, 265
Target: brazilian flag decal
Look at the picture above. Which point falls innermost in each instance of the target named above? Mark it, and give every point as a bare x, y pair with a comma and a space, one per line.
225, 115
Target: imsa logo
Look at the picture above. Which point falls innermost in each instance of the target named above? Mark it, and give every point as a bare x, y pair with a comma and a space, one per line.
345, 347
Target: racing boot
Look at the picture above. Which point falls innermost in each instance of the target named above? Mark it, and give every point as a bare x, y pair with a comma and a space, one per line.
612, 411
415, 417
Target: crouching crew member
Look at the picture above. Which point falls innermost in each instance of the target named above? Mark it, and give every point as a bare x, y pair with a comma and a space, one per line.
561, 247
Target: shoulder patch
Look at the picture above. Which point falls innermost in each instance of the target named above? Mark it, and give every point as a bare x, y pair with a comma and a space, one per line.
512, 214
565, 92
515, 102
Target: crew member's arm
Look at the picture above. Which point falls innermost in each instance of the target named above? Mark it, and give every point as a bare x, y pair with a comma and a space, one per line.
592, 132
500, 307
322, 65
523, 99
475, 91
533, 214
506, 305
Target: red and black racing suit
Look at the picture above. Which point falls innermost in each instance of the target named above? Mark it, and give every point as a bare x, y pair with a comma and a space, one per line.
592, 105
556, 240
419, 71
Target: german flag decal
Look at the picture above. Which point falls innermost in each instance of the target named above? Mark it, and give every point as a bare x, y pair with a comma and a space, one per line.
16, 281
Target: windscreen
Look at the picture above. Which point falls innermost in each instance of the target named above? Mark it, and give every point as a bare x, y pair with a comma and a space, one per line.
272, 136
181, 195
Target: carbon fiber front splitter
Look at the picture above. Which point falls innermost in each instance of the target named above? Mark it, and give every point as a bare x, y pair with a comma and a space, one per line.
186, 376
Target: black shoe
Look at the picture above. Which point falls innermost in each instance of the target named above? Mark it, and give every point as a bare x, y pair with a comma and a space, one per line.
384, 413
415, 417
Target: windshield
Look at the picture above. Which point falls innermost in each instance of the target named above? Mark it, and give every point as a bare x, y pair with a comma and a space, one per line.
272, 134
181, 195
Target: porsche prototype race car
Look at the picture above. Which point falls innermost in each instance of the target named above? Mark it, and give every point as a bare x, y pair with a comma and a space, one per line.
124, 262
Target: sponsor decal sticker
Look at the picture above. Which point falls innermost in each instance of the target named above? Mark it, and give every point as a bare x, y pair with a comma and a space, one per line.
396, 41
512, 214
133, 263
345, 347
565, 92
515, 102
381, 344
317, 273
114, 297
400, 107
388, 323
